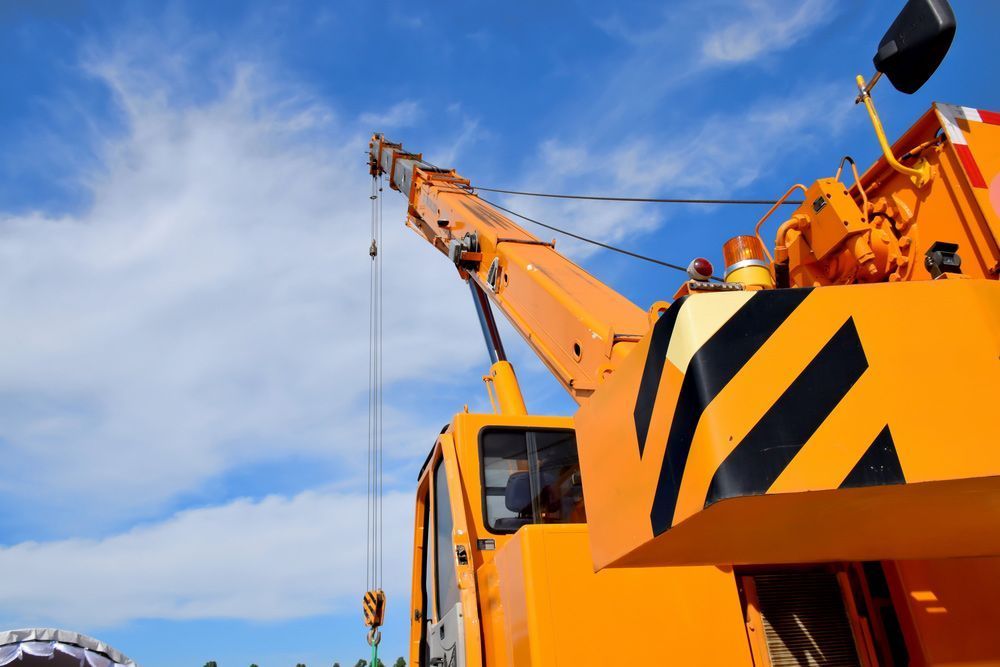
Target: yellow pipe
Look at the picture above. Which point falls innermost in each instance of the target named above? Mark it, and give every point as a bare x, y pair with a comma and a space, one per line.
920, 174
507, 389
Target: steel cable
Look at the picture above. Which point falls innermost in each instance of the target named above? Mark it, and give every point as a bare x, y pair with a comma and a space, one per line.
648, 200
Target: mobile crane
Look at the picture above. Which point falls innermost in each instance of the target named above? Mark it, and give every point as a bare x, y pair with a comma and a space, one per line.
796, 465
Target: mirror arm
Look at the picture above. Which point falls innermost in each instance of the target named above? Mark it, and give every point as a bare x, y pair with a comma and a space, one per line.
867, 88
920, 173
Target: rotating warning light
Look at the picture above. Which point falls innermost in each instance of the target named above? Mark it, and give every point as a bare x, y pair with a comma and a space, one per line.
741, 248
746, 262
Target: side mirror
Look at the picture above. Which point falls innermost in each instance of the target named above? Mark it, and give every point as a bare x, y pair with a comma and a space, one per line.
916, 43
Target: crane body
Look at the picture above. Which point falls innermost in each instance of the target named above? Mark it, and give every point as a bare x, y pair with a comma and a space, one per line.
795, 466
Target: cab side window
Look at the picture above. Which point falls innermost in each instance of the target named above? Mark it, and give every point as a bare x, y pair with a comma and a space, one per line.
530, 476
446, 585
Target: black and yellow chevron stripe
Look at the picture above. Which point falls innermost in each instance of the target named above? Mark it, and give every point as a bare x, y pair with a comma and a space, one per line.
781, 431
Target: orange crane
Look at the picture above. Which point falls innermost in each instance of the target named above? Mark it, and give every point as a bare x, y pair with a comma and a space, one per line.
796, 465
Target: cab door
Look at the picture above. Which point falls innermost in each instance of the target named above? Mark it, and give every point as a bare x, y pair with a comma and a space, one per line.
451, 636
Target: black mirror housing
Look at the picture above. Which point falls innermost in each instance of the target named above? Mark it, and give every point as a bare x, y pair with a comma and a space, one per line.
916, 43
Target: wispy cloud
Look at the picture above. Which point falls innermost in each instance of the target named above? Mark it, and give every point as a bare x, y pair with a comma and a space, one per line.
684, 45
409, 20
721, 32
448, 154
208, 311
277, 558
402, 114
763, 27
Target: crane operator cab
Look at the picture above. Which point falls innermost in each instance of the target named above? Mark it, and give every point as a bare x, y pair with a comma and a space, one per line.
487, 477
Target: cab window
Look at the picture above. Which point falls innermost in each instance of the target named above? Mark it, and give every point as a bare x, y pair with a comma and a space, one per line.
445, 582
530, 476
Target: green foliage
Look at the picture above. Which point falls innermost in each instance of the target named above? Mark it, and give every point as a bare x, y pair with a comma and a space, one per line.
211, 663
361, 663
399, 662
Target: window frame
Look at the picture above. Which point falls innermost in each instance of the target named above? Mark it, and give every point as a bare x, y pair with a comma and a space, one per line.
439, 463
482, 466
426, 583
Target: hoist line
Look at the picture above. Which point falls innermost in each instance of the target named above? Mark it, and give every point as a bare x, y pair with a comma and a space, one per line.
374, 508
371, 403
371, 384
374, 599
381, 442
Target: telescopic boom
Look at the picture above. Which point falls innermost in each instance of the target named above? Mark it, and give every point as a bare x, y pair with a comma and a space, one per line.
577, 325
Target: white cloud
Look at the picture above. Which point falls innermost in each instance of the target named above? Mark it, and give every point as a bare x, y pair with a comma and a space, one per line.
723, 32
208, 309
671, 50
763, 27
277, 558
448, 154
402, 114
408, 20
725, 152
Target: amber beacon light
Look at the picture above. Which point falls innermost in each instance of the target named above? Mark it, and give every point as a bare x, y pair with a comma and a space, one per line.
746, 262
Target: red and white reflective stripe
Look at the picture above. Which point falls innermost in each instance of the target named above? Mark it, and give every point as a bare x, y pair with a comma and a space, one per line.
949, 115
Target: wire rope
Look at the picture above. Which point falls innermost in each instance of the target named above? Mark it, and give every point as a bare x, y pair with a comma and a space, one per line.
580, 237
648, 200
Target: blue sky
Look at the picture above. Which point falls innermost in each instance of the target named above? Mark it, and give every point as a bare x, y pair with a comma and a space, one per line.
183, 250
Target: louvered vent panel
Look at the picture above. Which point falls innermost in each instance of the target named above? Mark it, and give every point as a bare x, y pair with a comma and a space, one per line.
804, 620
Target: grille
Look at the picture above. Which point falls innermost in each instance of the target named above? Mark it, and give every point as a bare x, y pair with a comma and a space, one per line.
805, 622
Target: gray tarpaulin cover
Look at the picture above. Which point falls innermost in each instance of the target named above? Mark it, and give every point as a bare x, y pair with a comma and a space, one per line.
57, 648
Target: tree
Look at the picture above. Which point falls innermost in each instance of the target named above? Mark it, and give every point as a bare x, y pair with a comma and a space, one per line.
361, 663
211, 663
399, 662
336, 664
